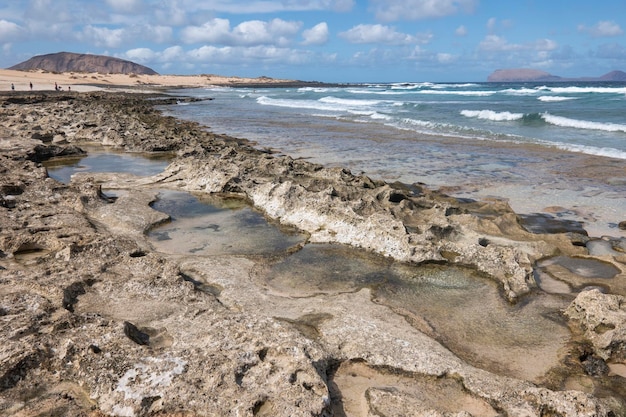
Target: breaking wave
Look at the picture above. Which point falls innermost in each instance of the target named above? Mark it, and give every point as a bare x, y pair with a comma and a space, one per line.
583, 124
492, 115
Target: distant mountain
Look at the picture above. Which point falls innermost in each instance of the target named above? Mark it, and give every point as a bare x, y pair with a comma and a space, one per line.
532, 75
614, 76
71, 62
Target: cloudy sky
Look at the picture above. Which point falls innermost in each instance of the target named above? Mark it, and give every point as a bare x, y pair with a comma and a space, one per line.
326, 40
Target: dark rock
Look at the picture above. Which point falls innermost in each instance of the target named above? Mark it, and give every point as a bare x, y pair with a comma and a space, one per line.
44, 137
622, 225
594, 365
70, 295
42, 153
546, 223
135, 334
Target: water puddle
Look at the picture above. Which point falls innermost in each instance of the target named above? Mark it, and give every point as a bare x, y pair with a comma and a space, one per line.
204, 225
30, 254
547, 223
358, 389
467, 314
601, 248
570, 275
460, 309
326, 269
62, 169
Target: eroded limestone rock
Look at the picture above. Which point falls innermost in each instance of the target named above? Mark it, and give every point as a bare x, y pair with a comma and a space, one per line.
75, 267
602, 318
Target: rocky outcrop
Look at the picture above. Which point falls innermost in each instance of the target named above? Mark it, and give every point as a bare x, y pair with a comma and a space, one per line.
95, 322
602, 318
520, 75
71, 62
533, 75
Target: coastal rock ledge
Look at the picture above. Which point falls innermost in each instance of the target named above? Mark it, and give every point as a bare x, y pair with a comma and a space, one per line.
94, 322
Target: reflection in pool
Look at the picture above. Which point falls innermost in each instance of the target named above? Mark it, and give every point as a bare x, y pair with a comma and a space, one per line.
208, 225
62, 169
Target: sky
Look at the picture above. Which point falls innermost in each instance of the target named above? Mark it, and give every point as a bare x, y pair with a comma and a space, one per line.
327, 40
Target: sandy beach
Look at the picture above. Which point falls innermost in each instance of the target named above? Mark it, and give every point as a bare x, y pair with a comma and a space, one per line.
82, 82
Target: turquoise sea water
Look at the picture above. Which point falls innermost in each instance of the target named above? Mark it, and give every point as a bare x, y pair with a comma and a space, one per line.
483, 138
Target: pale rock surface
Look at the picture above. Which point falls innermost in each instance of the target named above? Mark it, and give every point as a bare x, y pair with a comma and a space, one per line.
94, 322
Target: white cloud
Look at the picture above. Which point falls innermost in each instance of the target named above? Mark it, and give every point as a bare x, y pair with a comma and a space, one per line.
172, 15
9, 31
257, 32
317, 35
257, 55
101, 36
377, 34
158, 34
495, 43
269, 6
174, 54
47, 11
392, 10
445, 58
214, 31
125, 6
461, 31
544, 45
602, 29
140, 55
252, 32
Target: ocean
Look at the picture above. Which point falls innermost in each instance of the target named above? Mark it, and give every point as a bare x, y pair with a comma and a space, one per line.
555, 148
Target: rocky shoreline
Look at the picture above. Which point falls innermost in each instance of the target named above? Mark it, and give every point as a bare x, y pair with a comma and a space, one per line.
95, 322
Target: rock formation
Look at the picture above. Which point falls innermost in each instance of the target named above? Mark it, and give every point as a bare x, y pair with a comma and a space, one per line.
520, 74
533, 75
71, 62
95, 322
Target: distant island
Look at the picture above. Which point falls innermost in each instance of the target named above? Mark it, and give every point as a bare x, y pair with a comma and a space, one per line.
532, 75
61, 62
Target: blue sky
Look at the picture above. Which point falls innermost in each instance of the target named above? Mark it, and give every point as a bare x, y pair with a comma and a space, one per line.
326, 40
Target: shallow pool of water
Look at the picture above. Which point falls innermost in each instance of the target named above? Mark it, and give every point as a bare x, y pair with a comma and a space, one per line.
467, 314
209, 225
460, 309
567, 274
62, 169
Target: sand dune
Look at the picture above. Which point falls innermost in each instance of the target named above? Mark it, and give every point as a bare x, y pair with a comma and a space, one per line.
94, 81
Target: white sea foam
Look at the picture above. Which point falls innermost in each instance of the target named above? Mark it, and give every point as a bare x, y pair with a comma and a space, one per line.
579, 90
492, 115
582, 124
591, 150
470, 93
411, 86
348, 102
380, 116
318, 89
299, 104
465, 85
520, 91
555, 98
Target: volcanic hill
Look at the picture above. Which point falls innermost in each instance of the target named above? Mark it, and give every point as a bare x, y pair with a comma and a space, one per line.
532, 75
72, 62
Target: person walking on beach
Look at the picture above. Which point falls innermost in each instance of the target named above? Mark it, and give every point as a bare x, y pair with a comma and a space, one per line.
31, 86
12, 87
